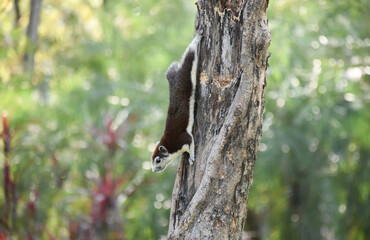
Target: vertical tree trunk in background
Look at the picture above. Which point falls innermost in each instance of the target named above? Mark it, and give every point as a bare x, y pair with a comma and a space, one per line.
32, 35
17, 13
209, 199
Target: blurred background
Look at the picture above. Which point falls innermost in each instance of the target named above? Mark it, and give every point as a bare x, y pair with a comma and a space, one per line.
83, 100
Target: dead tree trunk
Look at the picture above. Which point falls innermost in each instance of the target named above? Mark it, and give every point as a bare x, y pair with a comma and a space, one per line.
209, 199
32, 35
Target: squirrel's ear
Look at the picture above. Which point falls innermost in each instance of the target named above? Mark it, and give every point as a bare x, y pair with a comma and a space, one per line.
163, 150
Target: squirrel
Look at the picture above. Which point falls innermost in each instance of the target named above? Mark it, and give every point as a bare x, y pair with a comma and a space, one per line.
177, 137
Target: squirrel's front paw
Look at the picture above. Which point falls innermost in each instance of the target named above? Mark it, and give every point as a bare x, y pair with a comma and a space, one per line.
191, 160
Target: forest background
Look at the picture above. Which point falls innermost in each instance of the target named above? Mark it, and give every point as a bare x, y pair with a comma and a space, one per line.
79, 123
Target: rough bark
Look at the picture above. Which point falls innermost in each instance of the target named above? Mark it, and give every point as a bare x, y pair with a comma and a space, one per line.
209, 198
32, 34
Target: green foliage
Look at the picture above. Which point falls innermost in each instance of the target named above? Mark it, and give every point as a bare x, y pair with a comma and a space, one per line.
82, 125
312, 171
84, 122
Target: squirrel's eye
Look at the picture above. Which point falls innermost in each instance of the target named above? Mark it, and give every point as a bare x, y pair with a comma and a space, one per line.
157, 159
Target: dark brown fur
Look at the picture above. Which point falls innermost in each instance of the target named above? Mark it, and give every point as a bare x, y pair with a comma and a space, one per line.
179, 79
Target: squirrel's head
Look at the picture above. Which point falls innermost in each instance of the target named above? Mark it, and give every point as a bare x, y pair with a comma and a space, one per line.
160, 158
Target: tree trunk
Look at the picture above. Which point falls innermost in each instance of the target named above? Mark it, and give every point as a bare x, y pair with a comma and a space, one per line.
32, 35
209, 199
17, 13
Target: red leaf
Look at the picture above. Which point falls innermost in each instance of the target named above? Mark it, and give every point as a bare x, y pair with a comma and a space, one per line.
5, 134
3, 236
104, 193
